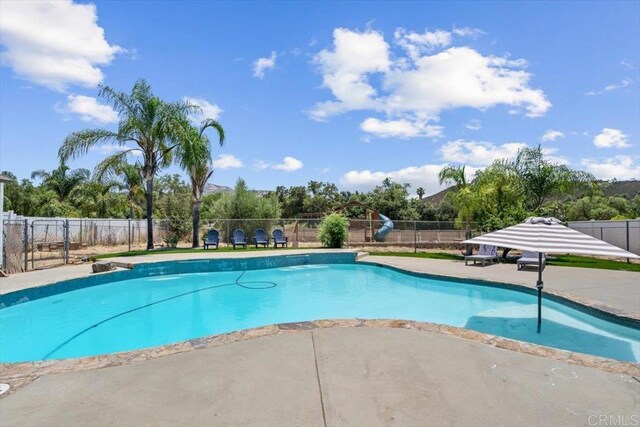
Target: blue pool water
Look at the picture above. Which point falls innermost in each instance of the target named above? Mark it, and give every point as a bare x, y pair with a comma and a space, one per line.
151, 311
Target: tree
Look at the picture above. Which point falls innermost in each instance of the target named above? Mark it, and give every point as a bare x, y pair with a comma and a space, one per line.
194, 156
146, 121
62, 181
99, 200
420, 192
173, 197
540, 178
465, 200
128, 178
392, 199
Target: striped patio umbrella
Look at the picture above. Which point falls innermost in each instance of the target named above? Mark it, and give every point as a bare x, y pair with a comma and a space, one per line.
548, 235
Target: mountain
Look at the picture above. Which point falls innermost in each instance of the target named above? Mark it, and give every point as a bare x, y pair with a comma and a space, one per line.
215, 188
621, 188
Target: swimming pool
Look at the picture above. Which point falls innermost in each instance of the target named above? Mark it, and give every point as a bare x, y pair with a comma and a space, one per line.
157, 309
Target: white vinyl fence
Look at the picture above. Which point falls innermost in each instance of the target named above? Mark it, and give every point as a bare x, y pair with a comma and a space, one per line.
624, 234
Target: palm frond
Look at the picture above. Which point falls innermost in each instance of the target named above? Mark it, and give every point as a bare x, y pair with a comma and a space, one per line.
210, 123
78, 143
111, 165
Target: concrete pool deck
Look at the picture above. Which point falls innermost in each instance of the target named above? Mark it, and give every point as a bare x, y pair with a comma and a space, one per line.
361, 373
332, 377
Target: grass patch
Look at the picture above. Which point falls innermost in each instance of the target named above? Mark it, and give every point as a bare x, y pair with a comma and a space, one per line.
183, 251
560, 260
586, 262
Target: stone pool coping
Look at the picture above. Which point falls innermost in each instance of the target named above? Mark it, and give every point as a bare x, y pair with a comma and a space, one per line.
18, 375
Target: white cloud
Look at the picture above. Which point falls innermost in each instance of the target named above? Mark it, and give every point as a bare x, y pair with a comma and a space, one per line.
402, 128
550, 154
611, 138
261, 165
627, 64
552, 135
473, 124
109, 149
89, 109
289, 164
420, 84
226, 161
619, 167
613, 86
478, 153
208, 110
262, 64
468, 32
425, 176
461, 77
624, 83
344, 71
55, 43
416, 44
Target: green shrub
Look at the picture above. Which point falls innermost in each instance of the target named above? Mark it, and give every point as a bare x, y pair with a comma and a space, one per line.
333, 230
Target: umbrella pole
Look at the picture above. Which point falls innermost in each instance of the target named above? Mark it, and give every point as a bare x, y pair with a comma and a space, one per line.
539, 285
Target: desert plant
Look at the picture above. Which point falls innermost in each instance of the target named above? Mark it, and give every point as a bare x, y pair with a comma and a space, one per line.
333, 230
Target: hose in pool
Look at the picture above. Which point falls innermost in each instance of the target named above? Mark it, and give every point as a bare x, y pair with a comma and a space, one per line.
269, 285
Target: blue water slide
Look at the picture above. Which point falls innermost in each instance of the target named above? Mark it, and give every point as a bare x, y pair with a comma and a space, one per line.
387, 227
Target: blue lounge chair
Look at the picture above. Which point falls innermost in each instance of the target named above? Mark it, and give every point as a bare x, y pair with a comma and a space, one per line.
238, 238
261, 238
279, 238
212, 239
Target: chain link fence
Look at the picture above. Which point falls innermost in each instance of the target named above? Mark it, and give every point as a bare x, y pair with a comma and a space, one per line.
304, 232
37, 243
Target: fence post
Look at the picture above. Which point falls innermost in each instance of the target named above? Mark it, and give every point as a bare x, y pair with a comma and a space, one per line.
628, 260
26, 244
129, 234
33, 245
66, 241
415, 237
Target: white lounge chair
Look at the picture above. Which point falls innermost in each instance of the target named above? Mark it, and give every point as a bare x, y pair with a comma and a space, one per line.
530, 259
486, 253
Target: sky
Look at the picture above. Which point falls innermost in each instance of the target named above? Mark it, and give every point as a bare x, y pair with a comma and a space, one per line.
347, 92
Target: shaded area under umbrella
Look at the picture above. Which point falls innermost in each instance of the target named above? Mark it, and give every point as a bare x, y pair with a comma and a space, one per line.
548, 235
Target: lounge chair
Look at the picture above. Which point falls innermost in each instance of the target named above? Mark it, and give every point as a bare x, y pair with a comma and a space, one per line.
279, 238
260, 238
531, 259
212, 238
486, 253
238, 238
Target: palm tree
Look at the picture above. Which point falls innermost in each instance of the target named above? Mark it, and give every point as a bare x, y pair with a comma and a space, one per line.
541, 178
464, 198
148, 123
128, 178
194, 156
98, 199
62, 180
420, 192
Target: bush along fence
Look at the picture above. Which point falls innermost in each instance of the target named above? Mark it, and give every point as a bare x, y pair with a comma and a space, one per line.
35, 243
